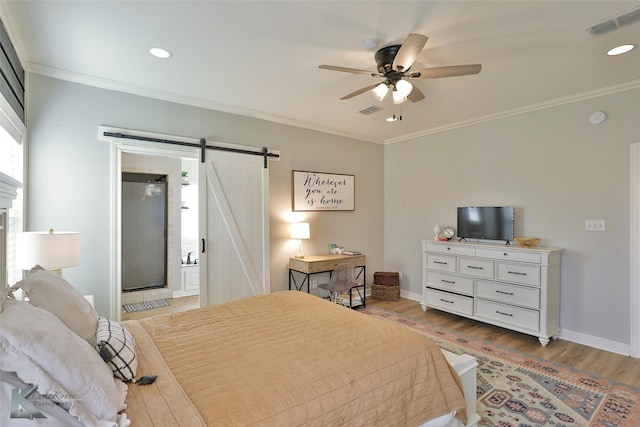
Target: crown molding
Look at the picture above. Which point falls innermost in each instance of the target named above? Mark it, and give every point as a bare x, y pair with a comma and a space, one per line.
633, 84
232, 109
116, 86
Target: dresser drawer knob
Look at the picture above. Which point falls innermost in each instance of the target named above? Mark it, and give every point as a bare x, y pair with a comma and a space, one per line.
475, 267
504, 314
440, 262
451, 282
445, 300
505, 293
517, 272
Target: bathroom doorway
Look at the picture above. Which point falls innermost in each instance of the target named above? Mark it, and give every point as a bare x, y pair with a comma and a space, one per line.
171, 184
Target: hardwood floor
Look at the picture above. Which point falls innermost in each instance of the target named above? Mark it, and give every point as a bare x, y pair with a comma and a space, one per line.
610, 365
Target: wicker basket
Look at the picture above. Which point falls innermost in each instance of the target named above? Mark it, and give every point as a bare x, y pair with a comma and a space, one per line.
386, 286
386, 278
385, 292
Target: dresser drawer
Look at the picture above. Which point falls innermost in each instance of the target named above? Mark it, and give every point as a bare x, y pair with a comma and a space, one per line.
441, 262
476, 267
450, 282
507, 314
449, 302
518, 273
453, 249
511, 294
522, 255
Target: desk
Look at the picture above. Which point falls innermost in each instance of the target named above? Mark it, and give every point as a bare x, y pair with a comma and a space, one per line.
315, 264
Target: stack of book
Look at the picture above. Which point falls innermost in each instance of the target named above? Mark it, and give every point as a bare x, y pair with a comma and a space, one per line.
352, 253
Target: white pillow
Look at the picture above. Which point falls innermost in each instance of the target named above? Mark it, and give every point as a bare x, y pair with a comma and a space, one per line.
51, 292
43, 351
118, 348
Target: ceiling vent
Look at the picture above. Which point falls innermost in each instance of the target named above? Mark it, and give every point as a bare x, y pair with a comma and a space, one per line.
615, 22
370, 110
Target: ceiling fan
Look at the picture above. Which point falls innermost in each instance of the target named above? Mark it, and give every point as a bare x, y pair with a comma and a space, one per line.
394, 65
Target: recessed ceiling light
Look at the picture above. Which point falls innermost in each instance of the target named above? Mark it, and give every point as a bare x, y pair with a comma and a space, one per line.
619, 50
159, 52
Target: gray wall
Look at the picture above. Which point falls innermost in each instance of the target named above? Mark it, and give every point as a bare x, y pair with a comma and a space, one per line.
551, 164
557, 170
69, 178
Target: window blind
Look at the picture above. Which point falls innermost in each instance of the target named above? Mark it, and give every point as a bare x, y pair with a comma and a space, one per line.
12, 74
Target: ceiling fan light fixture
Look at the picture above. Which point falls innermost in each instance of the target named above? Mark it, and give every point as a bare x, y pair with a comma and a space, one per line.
404, 87
401, 90
392, 118
398, 98
380, 91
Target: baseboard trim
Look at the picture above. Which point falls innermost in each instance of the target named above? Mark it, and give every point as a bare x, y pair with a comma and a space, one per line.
595, 342
180, 294
576, 337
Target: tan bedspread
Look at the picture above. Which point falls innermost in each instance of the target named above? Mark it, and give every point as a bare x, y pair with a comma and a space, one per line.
286, 359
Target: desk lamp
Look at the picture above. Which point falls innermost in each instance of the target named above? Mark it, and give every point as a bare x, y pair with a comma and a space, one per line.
300, 230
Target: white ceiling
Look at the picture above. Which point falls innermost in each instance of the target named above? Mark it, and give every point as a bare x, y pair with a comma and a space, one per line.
260, 58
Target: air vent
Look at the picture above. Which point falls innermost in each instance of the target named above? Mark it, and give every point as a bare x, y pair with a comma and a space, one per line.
615, 22
370, 110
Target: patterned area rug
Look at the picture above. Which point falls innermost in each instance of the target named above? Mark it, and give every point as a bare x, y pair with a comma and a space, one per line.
516, 389
145, 305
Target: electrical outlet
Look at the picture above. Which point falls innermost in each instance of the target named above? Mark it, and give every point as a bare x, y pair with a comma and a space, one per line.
314, 284
594, 225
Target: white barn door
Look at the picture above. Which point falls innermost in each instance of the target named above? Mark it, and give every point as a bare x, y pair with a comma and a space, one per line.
234, 223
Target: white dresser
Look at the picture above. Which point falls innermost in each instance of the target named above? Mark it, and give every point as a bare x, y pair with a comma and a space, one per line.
512, 287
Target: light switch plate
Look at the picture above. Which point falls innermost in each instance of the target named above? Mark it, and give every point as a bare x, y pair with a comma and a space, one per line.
594, 225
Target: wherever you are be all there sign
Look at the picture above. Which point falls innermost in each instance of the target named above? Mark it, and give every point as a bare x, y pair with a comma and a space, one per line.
315, 191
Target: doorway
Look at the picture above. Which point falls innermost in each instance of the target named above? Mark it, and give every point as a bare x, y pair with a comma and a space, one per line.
233, 212
144, 231
635, 251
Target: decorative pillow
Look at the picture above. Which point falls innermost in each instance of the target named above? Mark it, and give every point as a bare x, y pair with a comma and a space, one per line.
41, 350
51, 292
118, 348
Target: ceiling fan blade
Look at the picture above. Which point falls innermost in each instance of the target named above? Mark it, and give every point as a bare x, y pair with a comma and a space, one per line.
409, 51
450, 71
359, 91
415, 95
346, 70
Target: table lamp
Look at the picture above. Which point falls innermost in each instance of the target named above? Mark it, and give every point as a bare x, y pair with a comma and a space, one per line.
52, 250
300, 230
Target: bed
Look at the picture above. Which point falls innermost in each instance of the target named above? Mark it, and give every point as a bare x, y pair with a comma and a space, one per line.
288, 358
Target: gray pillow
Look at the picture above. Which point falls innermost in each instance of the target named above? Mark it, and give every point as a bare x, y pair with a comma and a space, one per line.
52, 293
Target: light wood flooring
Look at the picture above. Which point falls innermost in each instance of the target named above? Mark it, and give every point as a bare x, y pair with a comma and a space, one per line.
610, 365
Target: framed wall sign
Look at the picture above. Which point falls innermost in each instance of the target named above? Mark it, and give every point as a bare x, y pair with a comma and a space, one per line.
316, 191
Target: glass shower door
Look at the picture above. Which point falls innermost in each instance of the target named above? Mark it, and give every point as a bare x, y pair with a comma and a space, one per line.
144, 231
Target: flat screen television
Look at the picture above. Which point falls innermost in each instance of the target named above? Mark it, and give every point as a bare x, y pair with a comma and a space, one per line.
490, 223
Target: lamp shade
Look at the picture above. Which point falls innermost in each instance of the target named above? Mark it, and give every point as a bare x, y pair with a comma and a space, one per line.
51, 250
380, 91
403, 89
300, 230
